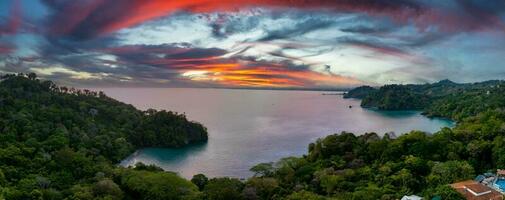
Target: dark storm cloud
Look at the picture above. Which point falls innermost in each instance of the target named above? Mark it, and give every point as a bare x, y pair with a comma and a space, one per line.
177, 57
9, 26
365, 29
166, 56
84, 19
480, 14
376, 46
372, 27
288, 64
12, 23
78, 33
300, 28
227, 25
197, 53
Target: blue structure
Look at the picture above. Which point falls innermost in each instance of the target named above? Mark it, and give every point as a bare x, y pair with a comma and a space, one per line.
479, 178
488, 174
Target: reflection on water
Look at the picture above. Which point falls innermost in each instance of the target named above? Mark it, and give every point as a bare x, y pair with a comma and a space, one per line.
247, 127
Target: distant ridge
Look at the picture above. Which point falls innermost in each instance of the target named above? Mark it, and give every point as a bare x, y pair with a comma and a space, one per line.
440, 95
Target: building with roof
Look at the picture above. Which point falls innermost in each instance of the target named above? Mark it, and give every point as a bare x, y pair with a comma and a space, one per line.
473, 190
500, 172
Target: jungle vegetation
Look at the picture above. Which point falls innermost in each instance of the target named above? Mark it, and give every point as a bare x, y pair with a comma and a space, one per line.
63, 143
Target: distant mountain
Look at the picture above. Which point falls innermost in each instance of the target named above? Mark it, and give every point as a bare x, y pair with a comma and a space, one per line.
445, 82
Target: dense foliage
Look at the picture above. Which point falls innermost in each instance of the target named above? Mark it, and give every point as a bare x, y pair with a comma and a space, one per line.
469, 102
359, 92
395, 97
56, 142
441, 99
346, 166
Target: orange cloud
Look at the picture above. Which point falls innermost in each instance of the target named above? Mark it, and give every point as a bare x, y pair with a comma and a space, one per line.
211, 66
234, 74
102, 16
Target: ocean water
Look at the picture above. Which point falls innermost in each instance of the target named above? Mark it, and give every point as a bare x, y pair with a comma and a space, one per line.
247, 127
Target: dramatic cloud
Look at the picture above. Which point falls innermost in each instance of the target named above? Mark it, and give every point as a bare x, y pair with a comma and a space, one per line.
13, 22
10, 26
253, 43
213, 67
84, 19
5, 49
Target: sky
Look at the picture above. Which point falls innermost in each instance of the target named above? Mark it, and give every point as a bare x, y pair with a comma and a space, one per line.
309, 44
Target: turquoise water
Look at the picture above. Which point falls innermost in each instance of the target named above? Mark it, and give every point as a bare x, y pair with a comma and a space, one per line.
247, 127
501, 184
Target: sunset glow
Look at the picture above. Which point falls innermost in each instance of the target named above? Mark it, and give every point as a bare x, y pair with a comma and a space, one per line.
317, 44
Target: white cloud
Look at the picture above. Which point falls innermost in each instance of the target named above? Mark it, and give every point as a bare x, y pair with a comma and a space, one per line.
72, 74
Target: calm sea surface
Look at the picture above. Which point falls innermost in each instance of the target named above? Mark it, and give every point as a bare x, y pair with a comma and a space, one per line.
247, 127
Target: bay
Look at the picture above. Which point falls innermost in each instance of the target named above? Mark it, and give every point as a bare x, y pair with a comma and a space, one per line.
247, 127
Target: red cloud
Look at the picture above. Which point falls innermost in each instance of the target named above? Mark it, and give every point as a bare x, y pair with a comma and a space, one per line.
14, 20
100, 16
145, 10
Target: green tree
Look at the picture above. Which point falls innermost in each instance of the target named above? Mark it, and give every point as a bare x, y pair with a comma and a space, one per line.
3, 181
450, 172
148, 185
107, 188
200, 180
223, 189
304, 195
263, 169
264, 187
448, 193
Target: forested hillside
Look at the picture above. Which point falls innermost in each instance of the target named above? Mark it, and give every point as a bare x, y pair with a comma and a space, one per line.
56, 140
359, 92
346, 166
60, 143
442, 99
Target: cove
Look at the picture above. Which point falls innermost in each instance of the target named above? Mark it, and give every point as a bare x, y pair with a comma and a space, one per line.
247, 127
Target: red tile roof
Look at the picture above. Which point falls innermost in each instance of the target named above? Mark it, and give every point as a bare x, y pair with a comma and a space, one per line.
469, 188
478, 188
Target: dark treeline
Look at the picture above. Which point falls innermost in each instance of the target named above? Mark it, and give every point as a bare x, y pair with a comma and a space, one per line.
63, 145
